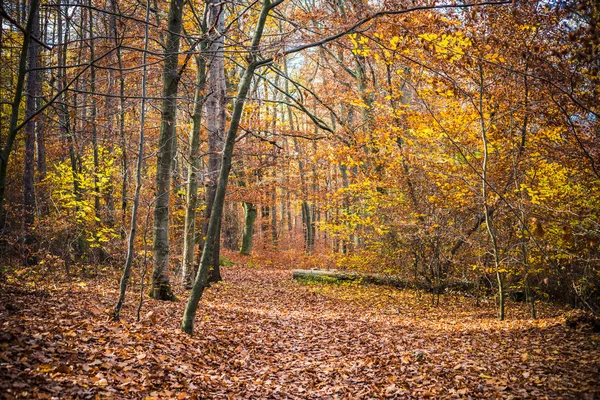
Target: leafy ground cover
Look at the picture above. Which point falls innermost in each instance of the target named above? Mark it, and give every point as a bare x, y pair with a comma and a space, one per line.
262, 335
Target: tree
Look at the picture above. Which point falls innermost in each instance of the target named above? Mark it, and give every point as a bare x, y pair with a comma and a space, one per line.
13, 128
213, 225
138, 179
161, 287
216, 104
193, 173
33, 91
248, 231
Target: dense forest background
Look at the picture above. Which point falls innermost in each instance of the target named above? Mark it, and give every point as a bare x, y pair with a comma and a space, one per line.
439, 143
429, 170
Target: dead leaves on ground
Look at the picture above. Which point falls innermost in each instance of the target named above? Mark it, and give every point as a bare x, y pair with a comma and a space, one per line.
261, 335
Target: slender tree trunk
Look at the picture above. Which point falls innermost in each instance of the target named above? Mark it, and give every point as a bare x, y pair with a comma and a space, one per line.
121, 117
33, 86
138, 182
486, 208
41, 156
202, 277
215, 118
283, 203
161, 286
316, 215
189, 242
231, 228
306, 212
345, 184
93, 116
265, 213
14, 116
307, 222
274, 236
530, 298
248, 232
68, 125
109, 115
40, 125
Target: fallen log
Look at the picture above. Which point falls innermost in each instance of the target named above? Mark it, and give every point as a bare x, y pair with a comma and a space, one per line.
325, 275
328, 275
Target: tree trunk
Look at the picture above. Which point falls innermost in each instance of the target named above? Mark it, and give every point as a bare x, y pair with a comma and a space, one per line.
215, 118
248, 232
161, 286
189, 241
265, 220
274, 236
41, 157
230, 227
306, 213
14, 116
202, 277
40, 126
68, 128
121, 117
309, 239
33, 80
93, 116
138, 185
486, 207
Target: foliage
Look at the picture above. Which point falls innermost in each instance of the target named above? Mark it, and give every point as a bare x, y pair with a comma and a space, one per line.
435, 145
74, 217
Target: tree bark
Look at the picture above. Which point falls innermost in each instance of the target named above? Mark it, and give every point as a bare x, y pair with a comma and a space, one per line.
93, 116
248, 232
161, 286
121, 117
33, 80
274, 235
40, 127
230, 228
18, 96
215, 118
189, 241
138, 185
486, 208
309, 239
202, 277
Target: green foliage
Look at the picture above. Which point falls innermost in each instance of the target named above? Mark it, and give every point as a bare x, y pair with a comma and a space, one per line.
226, 261
320, 281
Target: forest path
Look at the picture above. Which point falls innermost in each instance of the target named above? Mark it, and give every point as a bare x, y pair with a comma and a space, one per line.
259, 334
316, 340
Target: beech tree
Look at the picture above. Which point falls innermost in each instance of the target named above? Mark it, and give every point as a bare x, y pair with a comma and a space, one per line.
161, 285
216, 104
138, 179
33, 92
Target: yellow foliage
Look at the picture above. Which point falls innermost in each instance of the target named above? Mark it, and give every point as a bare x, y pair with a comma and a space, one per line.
80, 204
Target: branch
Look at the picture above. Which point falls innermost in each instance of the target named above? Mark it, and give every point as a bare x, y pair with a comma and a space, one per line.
67, 86
103, 11
371, 17
10, 19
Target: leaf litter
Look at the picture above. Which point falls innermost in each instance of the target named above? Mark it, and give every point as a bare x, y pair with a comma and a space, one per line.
259, 334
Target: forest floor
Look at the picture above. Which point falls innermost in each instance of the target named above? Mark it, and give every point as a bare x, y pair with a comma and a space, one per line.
259, 334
